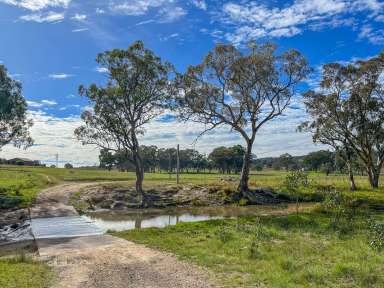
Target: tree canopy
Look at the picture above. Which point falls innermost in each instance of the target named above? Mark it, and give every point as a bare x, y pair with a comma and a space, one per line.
137, 88
242, 90
348, 112
14, 125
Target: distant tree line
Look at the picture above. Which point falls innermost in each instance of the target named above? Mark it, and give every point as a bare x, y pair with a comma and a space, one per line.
320, 161
223, 159
226, 160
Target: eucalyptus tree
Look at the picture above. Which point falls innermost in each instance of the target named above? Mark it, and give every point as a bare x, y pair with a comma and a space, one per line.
348, 112
14, 124
135, 93
242, 90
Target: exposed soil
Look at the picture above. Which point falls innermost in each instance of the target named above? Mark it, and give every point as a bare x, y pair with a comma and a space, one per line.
106, 261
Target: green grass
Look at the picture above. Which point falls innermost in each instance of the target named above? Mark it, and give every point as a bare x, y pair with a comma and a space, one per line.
21, 272
27, 181
284, 251
21, 187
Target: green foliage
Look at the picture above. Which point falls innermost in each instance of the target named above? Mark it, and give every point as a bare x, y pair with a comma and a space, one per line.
317, 160
19, 187
295, 181
348, 112
13, 112
243, 202
376, 234
341, 209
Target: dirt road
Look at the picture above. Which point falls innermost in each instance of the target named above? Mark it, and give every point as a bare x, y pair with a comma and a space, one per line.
105, 261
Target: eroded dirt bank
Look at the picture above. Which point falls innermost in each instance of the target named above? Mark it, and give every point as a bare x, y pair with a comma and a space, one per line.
112, 196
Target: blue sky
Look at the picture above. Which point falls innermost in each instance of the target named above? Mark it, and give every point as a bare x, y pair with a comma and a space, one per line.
50, 46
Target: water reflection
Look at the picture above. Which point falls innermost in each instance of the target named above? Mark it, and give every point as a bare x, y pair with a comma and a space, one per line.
137, 219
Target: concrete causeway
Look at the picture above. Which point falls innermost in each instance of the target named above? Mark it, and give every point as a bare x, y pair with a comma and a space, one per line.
63, 227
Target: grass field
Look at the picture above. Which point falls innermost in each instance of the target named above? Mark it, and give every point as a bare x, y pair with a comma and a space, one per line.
275, 251
21, 272
284, 251
25, 182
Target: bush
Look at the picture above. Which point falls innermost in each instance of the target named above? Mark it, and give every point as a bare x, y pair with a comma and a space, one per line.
376, 235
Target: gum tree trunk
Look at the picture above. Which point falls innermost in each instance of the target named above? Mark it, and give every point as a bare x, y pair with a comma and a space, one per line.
139, 169
244, 177
373, 176
352, 184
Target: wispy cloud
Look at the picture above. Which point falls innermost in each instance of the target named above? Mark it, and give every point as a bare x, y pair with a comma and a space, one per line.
145, 22
79, 17
167, 10
373, 36
35, 5
171, 15
252, 20
201, 4
60, 76
166, 38
101, 70
42, 103
49, 17
100, 11
80, 30
136, 7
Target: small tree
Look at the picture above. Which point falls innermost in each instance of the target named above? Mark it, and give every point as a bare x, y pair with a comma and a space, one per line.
349, 111
68, 166
243, 91
137, 88
295, 181
14, 126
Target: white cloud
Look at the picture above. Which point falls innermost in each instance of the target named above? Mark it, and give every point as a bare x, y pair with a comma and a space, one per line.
101, 70
60, 76
166, 38
145, 22
35, 5
80, 30
49, 17
171, 15
42, 103
49, 102
69, 106
373, 36
136, 7
247, 16
100, 11
79, 17
201, 4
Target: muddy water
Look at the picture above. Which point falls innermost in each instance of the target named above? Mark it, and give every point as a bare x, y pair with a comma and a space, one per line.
136, 219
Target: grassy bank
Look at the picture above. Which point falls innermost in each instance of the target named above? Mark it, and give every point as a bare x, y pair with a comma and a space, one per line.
22, 272
19, 188
284, 251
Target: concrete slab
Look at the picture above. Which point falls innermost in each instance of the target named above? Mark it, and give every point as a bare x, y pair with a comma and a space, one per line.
63, 227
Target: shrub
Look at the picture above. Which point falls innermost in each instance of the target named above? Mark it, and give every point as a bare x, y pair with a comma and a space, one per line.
295, 181
376, 234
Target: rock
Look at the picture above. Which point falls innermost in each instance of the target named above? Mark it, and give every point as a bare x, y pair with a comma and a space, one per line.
265, 196
106, 204
118, 205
